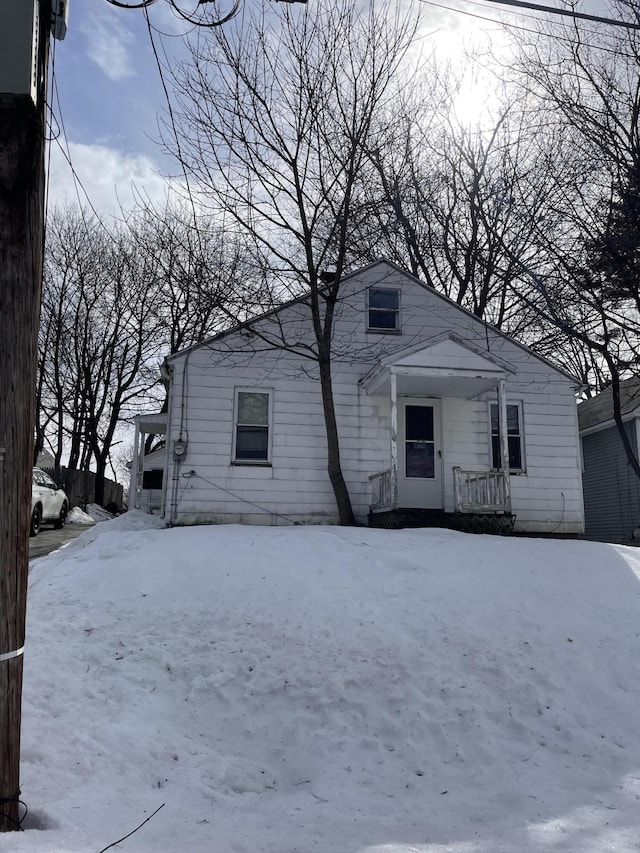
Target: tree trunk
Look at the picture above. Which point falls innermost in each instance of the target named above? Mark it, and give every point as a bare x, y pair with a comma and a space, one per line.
98, 488
343, 501
620, 425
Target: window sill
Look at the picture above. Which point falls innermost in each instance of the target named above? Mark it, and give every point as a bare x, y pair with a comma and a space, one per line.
384, 331
253, 463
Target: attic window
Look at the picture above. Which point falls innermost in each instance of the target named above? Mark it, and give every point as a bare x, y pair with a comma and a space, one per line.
384, 309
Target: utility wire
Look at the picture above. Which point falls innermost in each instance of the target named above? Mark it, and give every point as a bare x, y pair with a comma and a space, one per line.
500, 23
174, 129
214, 22
569, 13
513, 26
553, 10
77, 182
142, 5
50, 140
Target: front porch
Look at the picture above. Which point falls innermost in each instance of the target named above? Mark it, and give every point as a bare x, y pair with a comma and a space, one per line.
399, 519
481, 505
423, 485
146, 485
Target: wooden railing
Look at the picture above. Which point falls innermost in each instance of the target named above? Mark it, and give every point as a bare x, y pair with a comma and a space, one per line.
481, 491
381, 489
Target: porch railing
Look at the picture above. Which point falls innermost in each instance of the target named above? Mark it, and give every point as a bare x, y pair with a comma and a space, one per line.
481, 491
381, 489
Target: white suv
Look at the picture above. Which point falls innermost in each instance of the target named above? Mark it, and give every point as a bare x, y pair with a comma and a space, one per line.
48, 502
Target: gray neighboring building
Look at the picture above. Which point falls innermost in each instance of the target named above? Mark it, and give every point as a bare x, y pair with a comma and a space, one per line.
611, 487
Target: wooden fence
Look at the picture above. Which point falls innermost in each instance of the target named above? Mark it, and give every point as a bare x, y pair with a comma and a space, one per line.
80, 488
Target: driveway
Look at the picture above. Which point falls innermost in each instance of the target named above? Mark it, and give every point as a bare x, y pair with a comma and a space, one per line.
49, 539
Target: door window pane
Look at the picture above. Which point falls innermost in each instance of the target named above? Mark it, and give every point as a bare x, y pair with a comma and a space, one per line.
419, 459
419, 423
419, 442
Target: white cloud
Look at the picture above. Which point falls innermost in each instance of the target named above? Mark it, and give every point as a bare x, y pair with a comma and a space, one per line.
108, 42
111, 179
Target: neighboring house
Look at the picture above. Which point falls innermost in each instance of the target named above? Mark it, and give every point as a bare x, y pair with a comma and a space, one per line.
611, 487
45, 460
437, 411
151, 487
146, 488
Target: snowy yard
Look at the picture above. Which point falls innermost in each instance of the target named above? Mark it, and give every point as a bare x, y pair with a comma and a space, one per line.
290, 690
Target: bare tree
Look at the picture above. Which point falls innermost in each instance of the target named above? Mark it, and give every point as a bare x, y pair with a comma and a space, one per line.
200, 270
273, 119
201, 276
455, 200
117, 298
98, 348
585, 87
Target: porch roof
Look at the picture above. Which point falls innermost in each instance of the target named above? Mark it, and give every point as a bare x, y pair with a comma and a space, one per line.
444, 366
154, 424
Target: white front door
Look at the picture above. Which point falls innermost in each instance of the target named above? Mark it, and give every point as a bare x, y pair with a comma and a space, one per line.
419, 453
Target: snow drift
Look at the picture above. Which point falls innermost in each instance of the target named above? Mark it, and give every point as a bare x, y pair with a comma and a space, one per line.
287, 690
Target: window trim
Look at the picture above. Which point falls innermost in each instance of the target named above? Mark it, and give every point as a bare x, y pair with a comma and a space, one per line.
523, 460
398, 311
241, 389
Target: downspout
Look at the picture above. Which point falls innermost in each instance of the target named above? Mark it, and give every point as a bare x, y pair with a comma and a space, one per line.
166, 374
178, 454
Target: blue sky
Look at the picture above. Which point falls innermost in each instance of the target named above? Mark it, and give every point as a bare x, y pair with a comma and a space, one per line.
108, 94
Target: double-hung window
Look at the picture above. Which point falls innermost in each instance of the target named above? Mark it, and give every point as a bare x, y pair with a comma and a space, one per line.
252, 439
514, 437
384, 309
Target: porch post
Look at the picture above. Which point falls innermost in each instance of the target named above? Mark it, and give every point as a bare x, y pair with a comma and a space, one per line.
134, 501
504, 439
394, 439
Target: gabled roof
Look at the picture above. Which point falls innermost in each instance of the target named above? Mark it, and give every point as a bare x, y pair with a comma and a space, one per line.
414, 353
394, 267
599, 409
454, 366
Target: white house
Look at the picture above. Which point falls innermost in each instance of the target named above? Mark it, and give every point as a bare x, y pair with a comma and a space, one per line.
437, 411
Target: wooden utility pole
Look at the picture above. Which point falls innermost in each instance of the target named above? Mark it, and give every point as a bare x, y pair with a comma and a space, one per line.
22, 140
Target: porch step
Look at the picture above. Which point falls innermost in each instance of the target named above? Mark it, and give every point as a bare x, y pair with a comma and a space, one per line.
397, 519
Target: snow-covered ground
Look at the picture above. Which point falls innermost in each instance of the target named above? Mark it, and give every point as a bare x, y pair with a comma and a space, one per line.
289, 690
94, 513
